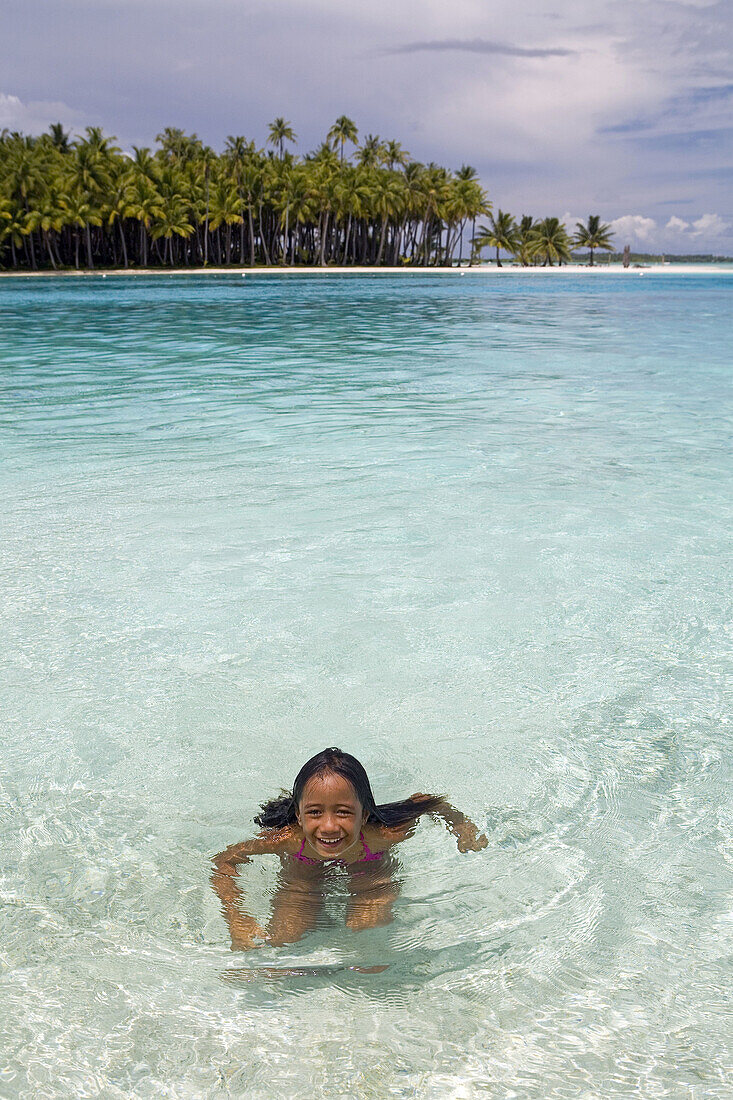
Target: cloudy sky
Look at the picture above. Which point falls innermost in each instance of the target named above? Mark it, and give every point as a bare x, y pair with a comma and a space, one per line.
618, 107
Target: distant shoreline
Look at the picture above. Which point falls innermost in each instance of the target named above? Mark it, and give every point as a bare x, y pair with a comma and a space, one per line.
476, 270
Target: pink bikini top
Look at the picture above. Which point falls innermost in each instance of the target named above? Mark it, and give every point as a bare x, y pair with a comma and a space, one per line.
314, 862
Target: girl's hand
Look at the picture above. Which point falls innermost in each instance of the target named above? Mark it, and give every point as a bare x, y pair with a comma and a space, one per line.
463, 829
470, 839
245, 932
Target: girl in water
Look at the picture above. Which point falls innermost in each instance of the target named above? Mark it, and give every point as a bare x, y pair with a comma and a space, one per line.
329, 820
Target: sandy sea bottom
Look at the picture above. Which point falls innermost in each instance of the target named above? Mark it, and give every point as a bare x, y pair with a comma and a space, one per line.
474, 531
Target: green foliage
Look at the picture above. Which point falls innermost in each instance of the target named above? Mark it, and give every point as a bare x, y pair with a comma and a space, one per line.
64, 200
593, 235
501, 233
549, 242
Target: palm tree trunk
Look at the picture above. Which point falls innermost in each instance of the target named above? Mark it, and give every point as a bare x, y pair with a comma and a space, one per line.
285, 242
381, 241
206, 222
322, 257
450, 245
29, 240
250, 221
48, 248
422, 247
56, 245
124, 244
348, 234
262, 237
398, 243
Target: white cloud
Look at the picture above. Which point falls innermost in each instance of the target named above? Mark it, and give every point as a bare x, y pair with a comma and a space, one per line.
710, 225
634, 229
706, 234
35, 116
676, 225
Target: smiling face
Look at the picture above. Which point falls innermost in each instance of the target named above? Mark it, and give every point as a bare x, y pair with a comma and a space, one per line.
330, 815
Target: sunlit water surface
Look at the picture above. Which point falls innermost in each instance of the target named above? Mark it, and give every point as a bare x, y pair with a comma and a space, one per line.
472, 530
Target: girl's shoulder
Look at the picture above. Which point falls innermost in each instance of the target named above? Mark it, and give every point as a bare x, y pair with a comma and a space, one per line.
380, 837
283, 839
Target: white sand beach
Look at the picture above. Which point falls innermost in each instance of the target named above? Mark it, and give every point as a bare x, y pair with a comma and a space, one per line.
508, 270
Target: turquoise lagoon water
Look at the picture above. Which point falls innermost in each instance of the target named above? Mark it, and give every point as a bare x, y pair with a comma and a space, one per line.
473, 530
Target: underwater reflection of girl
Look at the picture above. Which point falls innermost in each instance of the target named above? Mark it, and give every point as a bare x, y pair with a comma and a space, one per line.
329, 819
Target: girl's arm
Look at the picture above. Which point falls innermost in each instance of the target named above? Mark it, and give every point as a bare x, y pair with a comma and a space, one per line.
243, 929
469, 838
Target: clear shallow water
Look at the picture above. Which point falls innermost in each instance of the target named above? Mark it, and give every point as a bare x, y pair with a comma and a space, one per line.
475, 532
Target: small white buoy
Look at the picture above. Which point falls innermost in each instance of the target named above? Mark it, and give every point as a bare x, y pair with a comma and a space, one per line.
244, 275
104, 276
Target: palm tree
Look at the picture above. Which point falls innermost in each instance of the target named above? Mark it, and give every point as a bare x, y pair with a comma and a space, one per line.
204, 165
56, 193
324, 186
394, 154
252, 178
24, 183
144, 161
89, 173
524, 246
144, 204
387, 200
371, 153
281, 197
101, 145
51, 222
117, 204
280, 132
593, 235
343, 130
178, 147
434, 192
467, 201
501, 234
79, 213
550, 241
6, 217
238, 153
173, 221
352, 197
13, 226
59, 137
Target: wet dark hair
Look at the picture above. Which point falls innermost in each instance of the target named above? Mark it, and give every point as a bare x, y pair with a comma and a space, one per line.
283, 810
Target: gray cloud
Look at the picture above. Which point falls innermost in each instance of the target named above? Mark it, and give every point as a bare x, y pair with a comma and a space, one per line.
477, 45
633, 113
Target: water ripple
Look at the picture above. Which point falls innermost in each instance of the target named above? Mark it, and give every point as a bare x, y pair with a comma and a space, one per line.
476, 533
